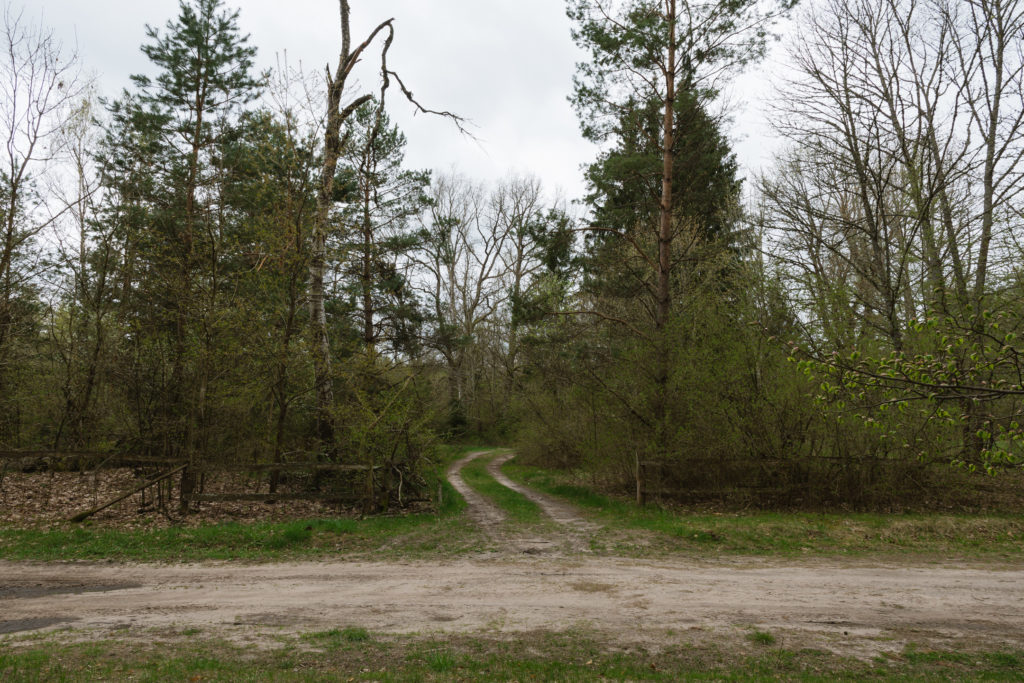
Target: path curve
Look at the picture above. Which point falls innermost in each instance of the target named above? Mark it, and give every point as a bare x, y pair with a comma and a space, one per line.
574, 532
481, 510
563, 514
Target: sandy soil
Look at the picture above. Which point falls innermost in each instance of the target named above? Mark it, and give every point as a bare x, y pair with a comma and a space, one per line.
859, 608
574, 531
482, 511
848, 608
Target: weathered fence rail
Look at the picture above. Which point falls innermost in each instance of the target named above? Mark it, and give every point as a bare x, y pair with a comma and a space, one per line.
179, 466
108, 460
654, 478
307, 467
292, 476
269, 497
280, 466
82, 516
89, 460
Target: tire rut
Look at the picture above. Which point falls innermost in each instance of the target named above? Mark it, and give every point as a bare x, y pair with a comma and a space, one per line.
481, 510
577, 530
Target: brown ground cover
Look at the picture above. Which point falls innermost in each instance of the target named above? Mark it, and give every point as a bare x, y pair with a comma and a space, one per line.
46, 498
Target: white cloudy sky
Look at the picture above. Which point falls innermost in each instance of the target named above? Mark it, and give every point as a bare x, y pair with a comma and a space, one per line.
506, 65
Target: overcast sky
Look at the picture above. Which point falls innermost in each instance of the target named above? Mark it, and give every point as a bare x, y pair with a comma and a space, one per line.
506, 65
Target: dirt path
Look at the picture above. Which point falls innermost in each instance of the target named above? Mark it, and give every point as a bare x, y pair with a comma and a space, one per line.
568, 534
485, 513
847, 609
834, 605
575, 531
558, 511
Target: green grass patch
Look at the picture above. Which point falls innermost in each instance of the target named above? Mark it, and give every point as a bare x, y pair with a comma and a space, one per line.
761, 638
355, 635
572, 656
451, 503
427, 534
337, 637
518, 507
945, 536
996, 660
441, 662
257, 541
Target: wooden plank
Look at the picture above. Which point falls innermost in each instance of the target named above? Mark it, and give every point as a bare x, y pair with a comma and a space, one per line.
260, 497
115, 460
82, 516
133, 461
16, 455
283, 467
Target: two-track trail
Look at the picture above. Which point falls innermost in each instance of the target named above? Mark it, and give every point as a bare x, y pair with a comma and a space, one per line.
571, 532
841, 605
481, 510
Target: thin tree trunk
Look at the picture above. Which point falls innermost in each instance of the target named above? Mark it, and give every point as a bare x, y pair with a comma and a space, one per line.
663, 305
369, 338
182, 401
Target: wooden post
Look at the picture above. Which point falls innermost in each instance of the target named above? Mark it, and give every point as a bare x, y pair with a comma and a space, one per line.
187, 486
641, 485
369, 500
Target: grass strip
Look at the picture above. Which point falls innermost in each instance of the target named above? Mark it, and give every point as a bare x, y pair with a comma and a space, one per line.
518, 507
945, 536
259, 541
533, 656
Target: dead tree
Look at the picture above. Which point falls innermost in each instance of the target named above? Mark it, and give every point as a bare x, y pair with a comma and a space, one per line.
337, 82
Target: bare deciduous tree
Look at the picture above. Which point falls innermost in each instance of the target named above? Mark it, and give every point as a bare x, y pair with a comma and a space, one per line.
39, 84
465, 277
898, 200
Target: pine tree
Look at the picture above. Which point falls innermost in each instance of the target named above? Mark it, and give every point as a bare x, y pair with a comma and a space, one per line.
383, 198
205, 76
654, 65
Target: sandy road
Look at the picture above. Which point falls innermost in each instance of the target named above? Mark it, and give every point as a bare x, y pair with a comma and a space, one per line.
485, 513
635, 600
834, 604
573, 531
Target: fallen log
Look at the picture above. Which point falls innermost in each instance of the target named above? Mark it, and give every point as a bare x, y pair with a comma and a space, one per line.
82, 516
